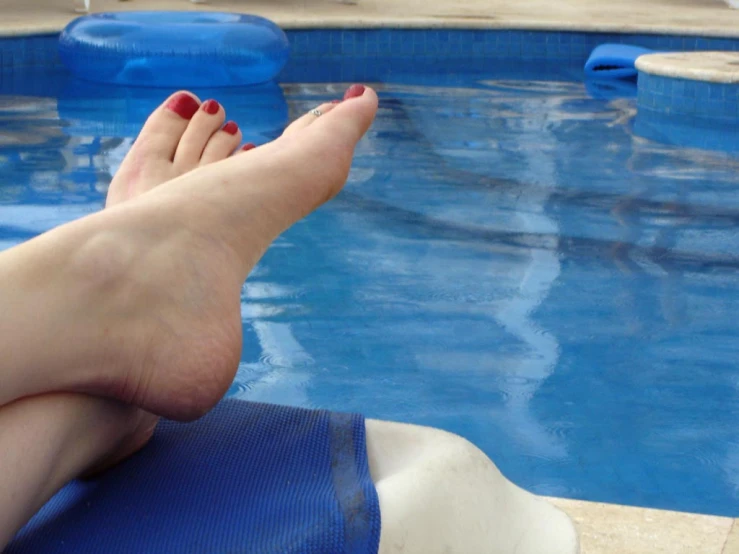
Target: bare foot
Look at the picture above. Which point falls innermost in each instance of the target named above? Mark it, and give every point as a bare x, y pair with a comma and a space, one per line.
143, 299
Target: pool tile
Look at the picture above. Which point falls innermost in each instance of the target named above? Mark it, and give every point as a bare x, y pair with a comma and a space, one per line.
554, 46
690, 84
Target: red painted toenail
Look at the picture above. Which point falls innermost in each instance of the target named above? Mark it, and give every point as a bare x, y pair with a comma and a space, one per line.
183, 105
248, 146
231, 128
354, 91
335, 101
211, 107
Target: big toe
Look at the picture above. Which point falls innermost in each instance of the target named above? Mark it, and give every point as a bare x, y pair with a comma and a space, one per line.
348, 121
293, 175
332, 137
150, 160
325, 147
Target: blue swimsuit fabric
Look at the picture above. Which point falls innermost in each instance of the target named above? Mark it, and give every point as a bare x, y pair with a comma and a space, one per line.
246, 478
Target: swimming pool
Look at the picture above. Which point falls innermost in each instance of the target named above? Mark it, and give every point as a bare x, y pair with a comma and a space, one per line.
509, 261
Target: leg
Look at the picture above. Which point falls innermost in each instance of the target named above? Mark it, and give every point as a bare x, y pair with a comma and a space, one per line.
141, 302
47, 440
70, 434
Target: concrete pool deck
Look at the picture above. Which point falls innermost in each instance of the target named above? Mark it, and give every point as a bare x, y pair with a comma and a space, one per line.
603, 528
686, 17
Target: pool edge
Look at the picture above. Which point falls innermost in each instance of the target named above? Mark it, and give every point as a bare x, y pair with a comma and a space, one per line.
618, 529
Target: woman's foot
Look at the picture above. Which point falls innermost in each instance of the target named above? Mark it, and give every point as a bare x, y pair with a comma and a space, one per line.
181, 135
143, 299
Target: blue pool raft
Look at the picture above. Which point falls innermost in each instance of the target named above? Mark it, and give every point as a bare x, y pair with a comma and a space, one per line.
247, 477
614, 61
174, 49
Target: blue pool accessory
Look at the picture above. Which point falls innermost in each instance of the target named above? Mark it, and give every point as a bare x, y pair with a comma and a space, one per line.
247, 477
614, 61
174, 49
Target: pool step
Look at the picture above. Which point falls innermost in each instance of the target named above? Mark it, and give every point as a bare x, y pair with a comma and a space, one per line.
689, 99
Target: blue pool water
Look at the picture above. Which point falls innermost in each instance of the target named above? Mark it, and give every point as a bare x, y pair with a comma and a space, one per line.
509, 261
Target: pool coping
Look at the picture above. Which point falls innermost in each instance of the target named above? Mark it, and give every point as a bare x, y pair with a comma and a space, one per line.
434, 23
710, 19
482, 23
618, 529
712, 67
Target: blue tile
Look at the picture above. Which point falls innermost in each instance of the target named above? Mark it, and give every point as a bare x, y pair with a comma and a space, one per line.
717, 92
566, 46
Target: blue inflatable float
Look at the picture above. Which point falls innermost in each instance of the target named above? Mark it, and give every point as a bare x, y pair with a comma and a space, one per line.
174, 49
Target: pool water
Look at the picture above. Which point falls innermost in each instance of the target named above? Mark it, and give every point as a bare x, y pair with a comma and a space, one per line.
509, 261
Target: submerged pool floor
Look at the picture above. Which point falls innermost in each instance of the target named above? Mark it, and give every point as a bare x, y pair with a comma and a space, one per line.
509, 261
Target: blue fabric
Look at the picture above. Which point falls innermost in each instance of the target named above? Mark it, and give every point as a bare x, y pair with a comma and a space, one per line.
246, 478
614, 61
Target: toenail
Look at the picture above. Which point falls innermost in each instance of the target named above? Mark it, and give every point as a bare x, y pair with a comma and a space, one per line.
248, 146
335, 101
211, 107
231, 128
183, 105
354, 91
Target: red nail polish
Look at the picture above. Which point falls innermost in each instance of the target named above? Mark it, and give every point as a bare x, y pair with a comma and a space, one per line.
354, 91
211, 107
335, 101
231, 128
183, 105
248, 146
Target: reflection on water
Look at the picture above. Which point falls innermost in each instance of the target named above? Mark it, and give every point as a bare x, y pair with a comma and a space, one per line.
509, 261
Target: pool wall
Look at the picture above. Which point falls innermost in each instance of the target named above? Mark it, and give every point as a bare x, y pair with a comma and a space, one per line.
363, 53
689, 97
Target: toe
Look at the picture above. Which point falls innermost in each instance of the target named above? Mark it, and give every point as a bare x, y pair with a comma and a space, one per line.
349, 120
149, 163
308, 118
221, 144
165, 127
314, 161
204, 124
333, 136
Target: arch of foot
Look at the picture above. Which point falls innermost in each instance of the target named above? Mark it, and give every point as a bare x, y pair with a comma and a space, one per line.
439, 493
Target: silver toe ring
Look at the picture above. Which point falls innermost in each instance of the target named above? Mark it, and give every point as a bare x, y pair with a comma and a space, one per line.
316, 112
